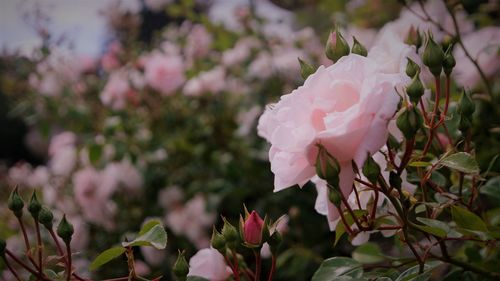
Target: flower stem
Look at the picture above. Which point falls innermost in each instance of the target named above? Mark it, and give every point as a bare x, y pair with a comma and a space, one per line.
25, 266
433, 116
39, 246
69, 262
11, 269
236, 266
258, 264
273, 268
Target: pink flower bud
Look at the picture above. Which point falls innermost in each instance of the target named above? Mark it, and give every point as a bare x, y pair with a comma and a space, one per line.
252, 229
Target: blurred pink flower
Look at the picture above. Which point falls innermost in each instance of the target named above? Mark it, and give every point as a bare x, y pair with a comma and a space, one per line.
345, 107
212, 81
391, 53
93, 197
240, 52
199, 42
164, 73
192, 220
483, 45
116, 91
62, 153
110, 60
156, 5
210, 264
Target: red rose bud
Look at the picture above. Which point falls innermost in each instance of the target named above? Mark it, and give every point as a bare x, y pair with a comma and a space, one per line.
252, 229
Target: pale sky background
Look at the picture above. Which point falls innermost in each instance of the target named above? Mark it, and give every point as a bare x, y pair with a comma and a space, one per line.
79, 20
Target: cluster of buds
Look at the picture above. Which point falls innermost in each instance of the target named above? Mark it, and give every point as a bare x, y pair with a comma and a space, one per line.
253, 232
41, 216
436, 59
337, 46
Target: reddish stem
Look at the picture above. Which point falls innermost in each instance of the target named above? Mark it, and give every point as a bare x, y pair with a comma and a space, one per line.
433, 117
424, 112
39, 245
68, 250
273, 268
258, 264
25, 266
11, 269
236, 270
406, 157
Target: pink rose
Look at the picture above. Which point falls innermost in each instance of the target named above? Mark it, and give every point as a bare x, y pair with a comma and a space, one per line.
164, 73
210, 264
346, 107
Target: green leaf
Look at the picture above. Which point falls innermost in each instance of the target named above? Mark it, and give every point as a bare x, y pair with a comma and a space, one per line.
95, 152
462, 162
333, 268
411, 274
438, 228
106, 256
339, 231
492, 188
155, 237
368, 253
432, 230
196, 278
468, 220
419, 164
438, 178
148, 225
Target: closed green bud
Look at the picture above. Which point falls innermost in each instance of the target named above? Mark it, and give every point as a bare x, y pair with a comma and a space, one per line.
334, 196
409, 122
181, 267
46, 218
336, 46
433, 56
327, 167
414, 38
230, 234
65, 230
412, 68
449, 62
34, 206
358, 48
464, 124
275, 241
16, 203
395, 180
3, 246
466, 106
416, 89
218, 242
371, 169
305, 69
